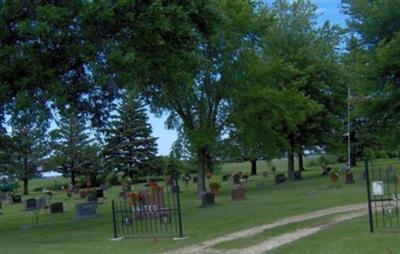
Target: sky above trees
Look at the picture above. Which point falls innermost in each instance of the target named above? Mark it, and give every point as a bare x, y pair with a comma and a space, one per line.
327, 10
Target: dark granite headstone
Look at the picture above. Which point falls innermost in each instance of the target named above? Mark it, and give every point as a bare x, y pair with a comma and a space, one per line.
194, 179
238, 193
349, 178
280, 178
207, 199
236, 178
30, 204
16, 199
99, 193
265, 174
296, 175
85, 210
225, 178
57, 208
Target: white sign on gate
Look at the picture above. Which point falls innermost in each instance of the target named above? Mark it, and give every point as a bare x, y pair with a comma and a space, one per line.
377, 187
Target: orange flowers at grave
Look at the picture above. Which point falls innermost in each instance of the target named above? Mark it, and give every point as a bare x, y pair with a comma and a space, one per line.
154, 187
134, 197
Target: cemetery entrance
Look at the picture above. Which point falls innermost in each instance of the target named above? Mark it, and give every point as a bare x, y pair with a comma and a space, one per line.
150, 211
383, 197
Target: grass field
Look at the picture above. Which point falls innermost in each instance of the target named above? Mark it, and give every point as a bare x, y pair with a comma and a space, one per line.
60, 233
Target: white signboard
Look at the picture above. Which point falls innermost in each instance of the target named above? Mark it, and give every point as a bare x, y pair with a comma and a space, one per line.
377, 187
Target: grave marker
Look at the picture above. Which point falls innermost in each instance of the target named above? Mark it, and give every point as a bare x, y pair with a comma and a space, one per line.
30, 204
85, 210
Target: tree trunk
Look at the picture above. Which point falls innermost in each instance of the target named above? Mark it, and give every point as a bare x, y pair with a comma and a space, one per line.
253, 167
201, 164
26, 190
72, 177
353, 159
291, 159
301, 164
290, 164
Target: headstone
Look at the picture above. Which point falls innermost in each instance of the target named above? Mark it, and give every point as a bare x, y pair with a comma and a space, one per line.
153, 199
207, 199
236, 178
296, 175
122, 194
265, 174
30, 204
41, 202
225, 178
85, 210
91, 197
260, 185
279, 178
238, 193
194, 179
56, 208
99, 193
3, 196
16, 199
349, 178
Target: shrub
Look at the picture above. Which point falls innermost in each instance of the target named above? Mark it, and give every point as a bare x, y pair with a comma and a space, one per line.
312, 163
382, 154
369, 153
327, 159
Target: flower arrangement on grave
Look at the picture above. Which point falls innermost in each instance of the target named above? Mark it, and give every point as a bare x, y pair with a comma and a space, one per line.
334, 175
214, 187
134, 198
154, 187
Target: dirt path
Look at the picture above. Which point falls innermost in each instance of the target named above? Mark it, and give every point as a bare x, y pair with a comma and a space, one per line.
204, 247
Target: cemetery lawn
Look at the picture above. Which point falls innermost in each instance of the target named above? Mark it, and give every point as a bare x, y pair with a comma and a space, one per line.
60, 233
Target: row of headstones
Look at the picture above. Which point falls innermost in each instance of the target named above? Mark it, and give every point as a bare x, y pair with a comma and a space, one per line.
82, 210
208, 198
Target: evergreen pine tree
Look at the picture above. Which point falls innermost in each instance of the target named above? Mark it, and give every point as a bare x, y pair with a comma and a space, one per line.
73, 152
130, 148
28, 140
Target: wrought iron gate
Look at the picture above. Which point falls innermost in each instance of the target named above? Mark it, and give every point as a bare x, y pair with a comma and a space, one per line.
149, 213
383, 197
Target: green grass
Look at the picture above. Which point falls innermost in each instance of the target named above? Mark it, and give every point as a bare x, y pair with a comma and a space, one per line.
60, 233
255, 239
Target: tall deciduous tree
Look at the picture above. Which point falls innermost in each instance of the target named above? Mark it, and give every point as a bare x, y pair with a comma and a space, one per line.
303, 58
130, 148
376, 25
73, 154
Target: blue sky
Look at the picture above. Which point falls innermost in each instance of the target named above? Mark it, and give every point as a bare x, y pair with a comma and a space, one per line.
327, 10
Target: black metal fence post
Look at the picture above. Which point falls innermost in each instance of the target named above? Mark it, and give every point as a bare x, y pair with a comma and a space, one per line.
178, 203
371, 225
114, 220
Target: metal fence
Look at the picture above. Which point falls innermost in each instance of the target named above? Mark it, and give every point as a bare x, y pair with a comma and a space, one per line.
383, 197
154, 213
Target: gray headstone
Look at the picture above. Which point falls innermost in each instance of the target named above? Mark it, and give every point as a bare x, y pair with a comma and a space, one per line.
30, 204
260, 185
85, 210
3, 196
41, 202
91, 197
